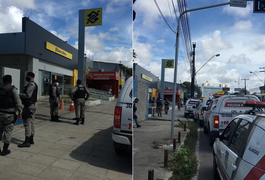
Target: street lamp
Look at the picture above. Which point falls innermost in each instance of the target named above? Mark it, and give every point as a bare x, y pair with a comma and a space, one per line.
216, 55
257, 77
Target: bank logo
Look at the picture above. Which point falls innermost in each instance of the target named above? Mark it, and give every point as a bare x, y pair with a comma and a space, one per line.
169, 63
93, 17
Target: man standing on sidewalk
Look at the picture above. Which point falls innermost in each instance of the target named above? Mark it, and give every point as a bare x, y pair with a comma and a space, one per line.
135, 117
54, 98
79, 95
10, 110
29, 98
166, 106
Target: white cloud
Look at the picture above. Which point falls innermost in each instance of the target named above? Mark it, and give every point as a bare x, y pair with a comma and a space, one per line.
152, 17
243, 25
257, 44
241, 59
11, 20
160, 41
239, 12
214, 44
61, 36
114, 29
29, 4
115, 5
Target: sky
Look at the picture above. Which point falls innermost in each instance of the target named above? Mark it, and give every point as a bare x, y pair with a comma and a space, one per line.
237, 34
110, 42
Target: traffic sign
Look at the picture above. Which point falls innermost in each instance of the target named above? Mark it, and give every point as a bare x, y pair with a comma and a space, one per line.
259, 6
238, 3
93, 17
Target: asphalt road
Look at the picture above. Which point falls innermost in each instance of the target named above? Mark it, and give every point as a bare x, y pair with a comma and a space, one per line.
205, 157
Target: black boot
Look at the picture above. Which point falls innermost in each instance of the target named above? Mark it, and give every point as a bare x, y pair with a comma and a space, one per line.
31, 139
77, 121
5, 150
26, 143
52, 118
56, 118
82, 121
138, 125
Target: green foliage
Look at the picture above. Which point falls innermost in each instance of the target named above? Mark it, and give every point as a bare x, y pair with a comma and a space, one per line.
196, 88
184, 162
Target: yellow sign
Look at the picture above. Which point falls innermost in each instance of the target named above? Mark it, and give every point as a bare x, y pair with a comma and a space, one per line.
147, 78
121, 82
93, 17
181, 96
58, 50
153, 94
220, 92
75, 76
169, 63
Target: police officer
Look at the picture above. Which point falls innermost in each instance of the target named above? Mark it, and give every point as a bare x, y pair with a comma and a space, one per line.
54, 97
10, 110
29, 98
79, 95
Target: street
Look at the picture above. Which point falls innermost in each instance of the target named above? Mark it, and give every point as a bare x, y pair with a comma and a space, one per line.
205, 157
66, 151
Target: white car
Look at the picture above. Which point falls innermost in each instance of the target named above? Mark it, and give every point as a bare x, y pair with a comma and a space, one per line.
190, 107
199, 112
122, 126
239, 152
222, 112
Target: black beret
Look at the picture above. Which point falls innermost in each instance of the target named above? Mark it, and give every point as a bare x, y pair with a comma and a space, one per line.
30, 74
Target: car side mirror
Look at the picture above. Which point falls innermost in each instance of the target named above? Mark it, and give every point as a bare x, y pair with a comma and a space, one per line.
193, 107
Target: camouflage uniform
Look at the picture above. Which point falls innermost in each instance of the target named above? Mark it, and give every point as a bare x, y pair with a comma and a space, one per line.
79, 95
8, 116
54, 98
29, 98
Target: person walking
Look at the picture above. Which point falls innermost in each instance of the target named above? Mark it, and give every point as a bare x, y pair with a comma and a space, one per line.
29, 98
179, 105
54, 98
10, 110
166, 106
79, 95
135, 117
159, 106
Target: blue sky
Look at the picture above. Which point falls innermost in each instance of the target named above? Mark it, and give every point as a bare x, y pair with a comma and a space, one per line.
237, 34
111, 42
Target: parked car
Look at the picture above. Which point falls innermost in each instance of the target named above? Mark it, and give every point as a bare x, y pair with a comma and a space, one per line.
190, 107
122, 125
199, 112
239, 152
222, 112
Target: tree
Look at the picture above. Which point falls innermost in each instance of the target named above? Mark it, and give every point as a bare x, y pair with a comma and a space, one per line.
196, 88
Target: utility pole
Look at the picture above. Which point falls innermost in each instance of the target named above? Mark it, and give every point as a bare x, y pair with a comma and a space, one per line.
245, 85
193, 71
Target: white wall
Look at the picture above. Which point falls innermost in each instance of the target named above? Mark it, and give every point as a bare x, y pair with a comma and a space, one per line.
15, 73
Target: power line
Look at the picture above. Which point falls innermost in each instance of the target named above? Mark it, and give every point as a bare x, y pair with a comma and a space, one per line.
164, 17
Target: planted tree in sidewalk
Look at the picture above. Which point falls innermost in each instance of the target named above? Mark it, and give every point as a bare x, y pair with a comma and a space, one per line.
184, 162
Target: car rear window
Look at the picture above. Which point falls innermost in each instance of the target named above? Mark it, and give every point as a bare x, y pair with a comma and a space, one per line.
193, 102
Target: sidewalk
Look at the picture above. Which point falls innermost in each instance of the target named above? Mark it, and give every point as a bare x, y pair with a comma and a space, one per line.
63, 151
155, 131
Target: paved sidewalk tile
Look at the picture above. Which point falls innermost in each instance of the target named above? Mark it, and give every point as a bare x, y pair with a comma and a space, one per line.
55, 173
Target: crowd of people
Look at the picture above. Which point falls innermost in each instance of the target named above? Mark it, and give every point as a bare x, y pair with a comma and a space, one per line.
15, 105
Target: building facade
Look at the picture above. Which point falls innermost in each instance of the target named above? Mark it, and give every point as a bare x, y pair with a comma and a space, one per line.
41, 52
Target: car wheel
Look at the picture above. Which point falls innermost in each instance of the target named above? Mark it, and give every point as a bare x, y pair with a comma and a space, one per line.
185, 115
215, 172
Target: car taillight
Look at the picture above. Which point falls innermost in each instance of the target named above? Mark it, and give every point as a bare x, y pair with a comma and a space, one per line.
185, 107
117, 117
216, 122
202, 112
